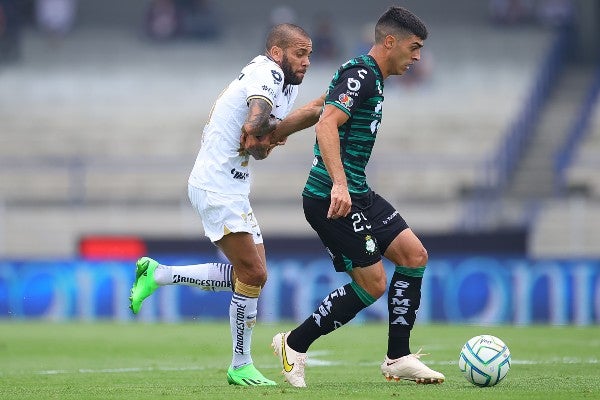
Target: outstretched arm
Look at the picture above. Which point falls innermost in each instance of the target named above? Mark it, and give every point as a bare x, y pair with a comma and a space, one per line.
299, 119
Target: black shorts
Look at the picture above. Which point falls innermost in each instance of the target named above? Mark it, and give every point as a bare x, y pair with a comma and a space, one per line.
360, 238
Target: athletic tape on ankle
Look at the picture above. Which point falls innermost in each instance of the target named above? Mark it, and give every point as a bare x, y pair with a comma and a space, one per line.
246, 290
414, 272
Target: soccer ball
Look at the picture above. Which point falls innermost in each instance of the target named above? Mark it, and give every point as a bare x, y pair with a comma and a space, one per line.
484, 360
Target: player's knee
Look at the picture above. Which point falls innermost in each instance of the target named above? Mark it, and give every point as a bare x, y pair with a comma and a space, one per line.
379, 289
375, 287
258, 276
417, 258
254, 274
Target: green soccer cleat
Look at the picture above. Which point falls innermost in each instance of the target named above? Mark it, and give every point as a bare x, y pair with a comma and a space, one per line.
247, 375
144, 284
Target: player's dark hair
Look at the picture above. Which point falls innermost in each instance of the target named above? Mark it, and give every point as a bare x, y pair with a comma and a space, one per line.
281, 35
398, 20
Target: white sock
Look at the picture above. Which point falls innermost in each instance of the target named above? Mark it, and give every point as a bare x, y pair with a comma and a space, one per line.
242, 318
210, 276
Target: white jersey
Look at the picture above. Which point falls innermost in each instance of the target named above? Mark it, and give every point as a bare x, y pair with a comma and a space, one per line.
219, 168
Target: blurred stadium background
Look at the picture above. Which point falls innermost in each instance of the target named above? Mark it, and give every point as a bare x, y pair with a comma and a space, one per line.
490, 150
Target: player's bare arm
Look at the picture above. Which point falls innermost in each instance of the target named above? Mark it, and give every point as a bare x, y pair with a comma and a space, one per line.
257, 127
329, 144
299, 119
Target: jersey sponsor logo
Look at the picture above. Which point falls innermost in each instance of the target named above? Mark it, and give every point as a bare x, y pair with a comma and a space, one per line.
362, 73
242, 176
374, 127
400, 304
268, 90
345, 100
325, 308
239, 326
390, 217
205, 283
277, 78
379, 88
378, 107
353, 84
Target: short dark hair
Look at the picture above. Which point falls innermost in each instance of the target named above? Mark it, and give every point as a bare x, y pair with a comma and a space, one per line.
281, 35
399, 20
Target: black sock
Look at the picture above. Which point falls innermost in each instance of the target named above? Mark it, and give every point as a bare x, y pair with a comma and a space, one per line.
337, 309
404, 298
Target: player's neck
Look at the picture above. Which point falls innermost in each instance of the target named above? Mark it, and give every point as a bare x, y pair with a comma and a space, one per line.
380, 59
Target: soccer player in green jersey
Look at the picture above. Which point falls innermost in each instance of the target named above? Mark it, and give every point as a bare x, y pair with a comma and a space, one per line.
356, 225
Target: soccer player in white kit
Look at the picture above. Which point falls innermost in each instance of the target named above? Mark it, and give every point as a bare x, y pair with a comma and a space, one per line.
248, 119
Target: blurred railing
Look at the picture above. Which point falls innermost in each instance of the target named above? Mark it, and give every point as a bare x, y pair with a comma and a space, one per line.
66, 180
480, 210
579, 129
77, 180
502, 164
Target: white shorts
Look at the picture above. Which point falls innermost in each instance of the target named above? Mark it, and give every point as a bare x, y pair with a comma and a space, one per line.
224, 213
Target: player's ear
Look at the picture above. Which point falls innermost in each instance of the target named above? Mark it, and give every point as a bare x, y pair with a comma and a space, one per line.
277, 53
389, 41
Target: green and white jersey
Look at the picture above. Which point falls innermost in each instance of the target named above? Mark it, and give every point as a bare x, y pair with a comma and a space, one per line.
357, 90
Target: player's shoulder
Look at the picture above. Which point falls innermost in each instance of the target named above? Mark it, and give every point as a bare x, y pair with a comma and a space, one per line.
263, 63
359, 75
265, 70
362, 65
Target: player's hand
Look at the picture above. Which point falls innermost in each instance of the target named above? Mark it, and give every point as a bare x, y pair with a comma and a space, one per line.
276, 142
340, 202
258, 147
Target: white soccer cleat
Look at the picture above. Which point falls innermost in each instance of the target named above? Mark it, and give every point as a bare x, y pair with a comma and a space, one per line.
410, 368
292, 361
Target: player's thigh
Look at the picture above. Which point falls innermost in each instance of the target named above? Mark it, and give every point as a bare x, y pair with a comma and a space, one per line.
240, 250
396, 240
407, 250
245, 256
229, 222
348, 241
386, 221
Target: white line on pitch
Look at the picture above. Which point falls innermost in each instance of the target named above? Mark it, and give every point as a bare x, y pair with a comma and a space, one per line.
315, 362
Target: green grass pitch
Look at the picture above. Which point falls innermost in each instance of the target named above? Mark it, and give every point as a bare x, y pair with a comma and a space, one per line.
43, 360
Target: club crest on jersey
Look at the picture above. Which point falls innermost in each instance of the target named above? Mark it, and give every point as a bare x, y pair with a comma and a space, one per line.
370, 245
346, 100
